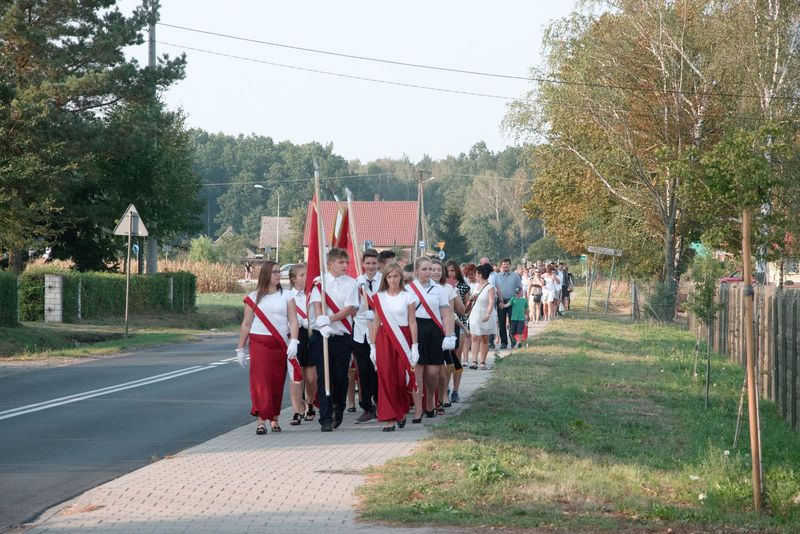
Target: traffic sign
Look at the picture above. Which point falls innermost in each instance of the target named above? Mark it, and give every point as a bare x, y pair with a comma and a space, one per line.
605, 251
422, 244
442, 255
367, 244
131, 224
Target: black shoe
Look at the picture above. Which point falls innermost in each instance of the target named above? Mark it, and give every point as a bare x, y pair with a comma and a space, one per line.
351, 409
296, 419
491, 346
388, 429
365, 417
261, 430
337, 421
504, 346
401, 423
430, 414
326, 427
416, 421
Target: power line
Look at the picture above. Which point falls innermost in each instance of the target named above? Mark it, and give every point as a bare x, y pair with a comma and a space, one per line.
465, 71
349, 56
340, 75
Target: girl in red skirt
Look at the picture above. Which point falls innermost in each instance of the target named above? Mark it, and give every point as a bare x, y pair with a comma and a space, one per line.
395, 350
269, 316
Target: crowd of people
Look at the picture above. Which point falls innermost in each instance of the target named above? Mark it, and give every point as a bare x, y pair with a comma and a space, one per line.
403, 333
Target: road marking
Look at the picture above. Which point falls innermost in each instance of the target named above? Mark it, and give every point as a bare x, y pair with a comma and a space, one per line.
52, 403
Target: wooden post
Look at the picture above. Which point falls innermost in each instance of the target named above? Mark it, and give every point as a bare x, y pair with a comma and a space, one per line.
781, 345
128, 272
752, 394
791, 357
322, 273
610, 281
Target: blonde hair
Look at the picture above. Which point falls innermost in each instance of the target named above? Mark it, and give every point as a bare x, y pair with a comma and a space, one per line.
385, 273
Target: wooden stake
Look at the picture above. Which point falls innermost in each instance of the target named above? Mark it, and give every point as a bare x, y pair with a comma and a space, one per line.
322, 272
752, 394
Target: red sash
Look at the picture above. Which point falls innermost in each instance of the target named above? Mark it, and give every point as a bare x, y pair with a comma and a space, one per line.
298, 375
392, 330
335, 309
427, 307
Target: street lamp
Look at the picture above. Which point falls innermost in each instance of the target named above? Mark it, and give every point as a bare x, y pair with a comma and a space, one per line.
277, 222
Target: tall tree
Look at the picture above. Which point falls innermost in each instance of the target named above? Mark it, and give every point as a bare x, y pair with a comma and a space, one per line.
61, 65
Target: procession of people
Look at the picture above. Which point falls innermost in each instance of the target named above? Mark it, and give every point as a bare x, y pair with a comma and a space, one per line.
404, 333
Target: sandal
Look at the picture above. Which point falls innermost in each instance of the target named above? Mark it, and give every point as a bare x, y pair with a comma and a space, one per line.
388, 429
483, 367
311, 413
296, 419
473, 365
276, 427
261, 429
440, 409
351, 409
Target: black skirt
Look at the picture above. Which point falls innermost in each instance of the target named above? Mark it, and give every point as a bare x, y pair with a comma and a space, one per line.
303, 357
430, 339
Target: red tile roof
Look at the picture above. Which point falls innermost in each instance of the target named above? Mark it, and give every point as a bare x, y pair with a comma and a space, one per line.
385, 223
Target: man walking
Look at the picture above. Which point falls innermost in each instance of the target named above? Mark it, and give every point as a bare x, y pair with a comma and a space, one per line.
368, 284
507, 283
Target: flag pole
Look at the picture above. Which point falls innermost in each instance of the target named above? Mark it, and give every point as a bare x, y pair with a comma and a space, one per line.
352, 227
322, 267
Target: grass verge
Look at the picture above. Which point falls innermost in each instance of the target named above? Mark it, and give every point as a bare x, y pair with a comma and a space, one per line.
596, 426
35, 341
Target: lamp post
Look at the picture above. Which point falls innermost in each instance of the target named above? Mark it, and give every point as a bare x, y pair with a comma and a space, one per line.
277, 222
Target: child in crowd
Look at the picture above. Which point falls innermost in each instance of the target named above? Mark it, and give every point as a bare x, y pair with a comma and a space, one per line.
519, 316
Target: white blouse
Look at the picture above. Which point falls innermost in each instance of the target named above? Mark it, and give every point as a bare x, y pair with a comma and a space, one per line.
434, 295
397, 306
275, 307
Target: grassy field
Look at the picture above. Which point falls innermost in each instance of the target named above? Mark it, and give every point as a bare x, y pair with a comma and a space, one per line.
34, 341
596, 426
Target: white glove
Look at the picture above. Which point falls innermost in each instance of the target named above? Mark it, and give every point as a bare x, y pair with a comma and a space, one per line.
449, 343
326, 331
414, 354
372, 355
366, 315
291, 352
323, 320
241, 357
304, 323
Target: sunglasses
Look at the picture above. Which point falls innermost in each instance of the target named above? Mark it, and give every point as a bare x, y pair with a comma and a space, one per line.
276, 271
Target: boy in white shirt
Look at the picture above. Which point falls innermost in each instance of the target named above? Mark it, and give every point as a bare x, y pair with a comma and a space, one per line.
368, 283
336, 325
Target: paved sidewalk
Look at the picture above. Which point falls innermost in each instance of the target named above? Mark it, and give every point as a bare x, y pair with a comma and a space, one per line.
295, 481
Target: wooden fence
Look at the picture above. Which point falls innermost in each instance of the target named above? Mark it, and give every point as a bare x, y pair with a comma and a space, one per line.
776, 318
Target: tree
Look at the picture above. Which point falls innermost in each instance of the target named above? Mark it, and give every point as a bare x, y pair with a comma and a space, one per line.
61, 65
547, 248
455, 244
202, 249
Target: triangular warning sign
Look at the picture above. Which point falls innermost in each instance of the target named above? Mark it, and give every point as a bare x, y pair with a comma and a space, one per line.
131, 224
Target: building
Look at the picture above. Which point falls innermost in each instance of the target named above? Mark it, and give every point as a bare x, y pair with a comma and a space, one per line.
384, 224
271, 229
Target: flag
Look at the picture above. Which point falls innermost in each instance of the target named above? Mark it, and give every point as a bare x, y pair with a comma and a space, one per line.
313, 264
338, 223
343, 238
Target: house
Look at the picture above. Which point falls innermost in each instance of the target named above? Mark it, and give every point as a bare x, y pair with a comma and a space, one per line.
385, 224
273, 228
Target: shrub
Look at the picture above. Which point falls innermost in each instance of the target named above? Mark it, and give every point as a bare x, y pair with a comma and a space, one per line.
8, 299
660, 305
201, 249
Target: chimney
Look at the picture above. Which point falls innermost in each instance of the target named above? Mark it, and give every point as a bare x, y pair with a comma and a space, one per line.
377, 197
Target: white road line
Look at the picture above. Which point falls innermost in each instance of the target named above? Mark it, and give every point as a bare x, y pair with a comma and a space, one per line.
30, 408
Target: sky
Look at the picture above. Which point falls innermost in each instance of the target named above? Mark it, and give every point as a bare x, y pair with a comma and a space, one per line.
363, 120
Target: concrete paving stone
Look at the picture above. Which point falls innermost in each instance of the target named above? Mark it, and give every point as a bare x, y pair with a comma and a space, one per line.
295, 481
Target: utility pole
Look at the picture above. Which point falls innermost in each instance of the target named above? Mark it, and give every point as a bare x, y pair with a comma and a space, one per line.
151, 262
421, 234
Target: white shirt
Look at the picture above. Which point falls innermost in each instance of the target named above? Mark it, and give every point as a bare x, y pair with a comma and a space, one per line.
361, 326
434, 295
300, 302
450, 291
275, 307
397, 306
344, 292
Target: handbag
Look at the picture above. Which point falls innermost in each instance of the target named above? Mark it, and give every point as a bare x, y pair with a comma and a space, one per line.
472, 301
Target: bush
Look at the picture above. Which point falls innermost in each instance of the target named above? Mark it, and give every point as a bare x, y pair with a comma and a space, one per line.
660, 305
201, 249
8, 299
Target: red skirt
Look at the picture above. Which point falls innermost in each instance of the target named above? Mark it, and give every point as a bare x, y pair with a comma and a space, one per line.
267, 376
395, 379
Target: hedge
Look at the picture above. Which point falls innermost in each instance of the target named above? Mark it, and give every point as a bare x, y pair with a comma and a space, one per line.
8, 299
103, 294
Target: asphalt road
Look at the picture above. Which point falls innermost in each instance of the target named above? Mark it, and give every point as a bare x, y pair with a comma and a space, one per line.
68, 429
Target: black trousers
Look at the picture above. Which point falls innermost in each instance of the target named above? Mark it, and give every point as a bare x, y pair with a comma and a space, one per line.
367, 377
340, 349
503, 318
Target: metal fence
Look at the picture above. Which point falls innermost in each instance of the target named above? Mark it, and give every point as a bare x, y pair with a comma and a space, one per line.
776, 326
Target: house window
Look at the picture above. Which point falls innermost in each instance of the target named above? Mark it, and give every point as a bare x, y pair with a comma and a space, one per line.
791, 266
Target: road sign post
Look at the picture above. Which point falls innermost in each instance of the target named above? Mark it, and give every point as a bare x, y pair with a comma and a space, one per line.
130, 224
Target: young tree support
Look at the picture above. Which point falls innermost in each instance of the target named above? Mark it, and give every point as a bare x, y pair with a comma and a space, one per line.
341, 300
270, 315
394, 332
368, 284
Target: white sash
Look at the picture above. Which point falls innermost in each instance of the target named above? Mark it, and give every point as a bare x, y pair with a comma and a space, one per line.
392, 323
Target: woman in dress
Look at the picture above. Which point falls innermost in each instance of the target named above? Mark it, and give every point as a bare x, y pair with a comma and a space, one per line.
308, 385
535, 294
270, 315
394, 335
432, 314
552, 285
483, 317
450, 362
456, 279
